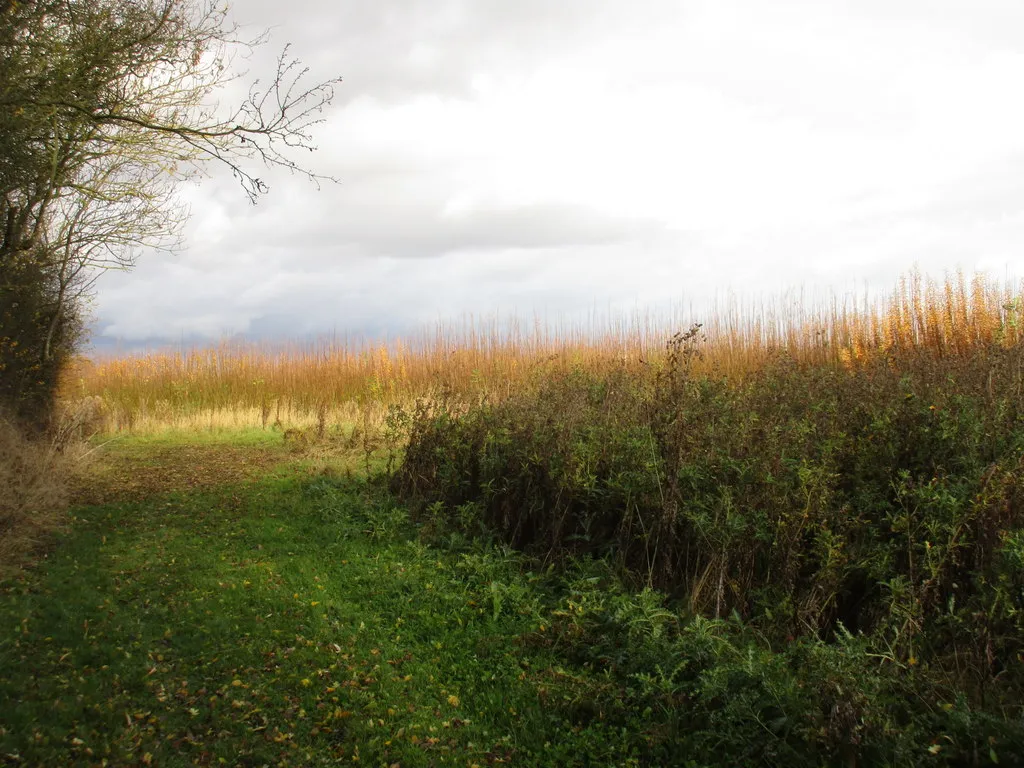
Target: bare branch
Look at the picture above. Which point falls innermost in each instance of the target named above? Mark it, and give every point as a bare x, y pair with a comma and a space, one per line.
106, 107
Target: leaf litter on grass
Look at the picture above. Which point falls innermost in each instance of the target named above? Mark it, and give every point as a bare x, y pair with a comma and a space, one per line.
204, 615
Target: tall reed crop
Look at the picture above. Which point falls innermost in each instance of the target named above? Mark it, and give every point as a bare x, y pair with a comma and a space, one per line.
251, 384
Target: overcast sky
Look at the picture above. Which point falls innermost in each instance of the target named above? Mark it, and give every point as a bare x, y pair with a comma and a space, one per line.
558, 157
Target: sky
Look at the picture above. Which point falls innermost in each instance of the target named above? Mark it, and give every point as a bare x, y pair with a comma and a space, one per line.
566, 158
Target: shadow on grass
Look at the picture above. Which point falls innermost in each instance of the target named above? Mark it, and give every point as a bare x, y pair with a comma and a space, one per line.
217, 603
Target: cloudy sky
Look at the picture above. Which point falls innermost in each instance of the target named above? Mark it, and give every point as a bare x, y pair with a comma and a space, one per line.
565, 157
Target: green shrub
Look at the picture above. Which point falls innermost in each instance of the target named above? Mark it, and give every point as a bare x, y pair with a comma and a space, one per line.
865, 522
37, 336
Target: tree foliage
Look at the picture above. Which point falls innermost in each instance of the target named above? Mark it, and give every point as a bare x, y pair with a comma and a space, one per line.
106, 107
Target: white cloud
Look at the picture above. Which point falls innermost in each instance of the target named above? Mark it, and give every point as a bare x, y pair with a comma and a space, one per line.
596, 153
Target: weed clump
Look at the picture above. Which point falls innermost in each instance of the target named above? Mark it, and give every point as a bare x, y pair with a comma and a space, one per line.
860, 521
33, 494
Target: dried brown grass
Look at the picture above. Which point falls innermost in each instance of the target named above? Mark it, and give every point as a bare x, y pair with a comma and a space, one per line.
33, 494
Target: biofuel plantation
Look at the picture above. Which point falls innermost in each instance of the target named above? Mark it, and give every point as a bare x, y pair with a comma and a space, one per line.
785, 534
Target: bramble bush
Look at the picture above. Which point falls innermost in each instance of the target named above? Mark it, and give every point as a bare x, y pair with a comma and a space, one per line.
850, 535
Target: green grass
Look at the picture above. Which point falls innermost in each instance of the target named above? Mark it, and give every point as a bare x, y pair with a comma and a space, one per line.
253, 436
231, 600
286, 621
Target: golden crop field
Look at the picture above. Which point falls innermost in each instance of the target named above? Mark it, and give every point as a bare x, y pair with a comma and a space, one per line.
254, 385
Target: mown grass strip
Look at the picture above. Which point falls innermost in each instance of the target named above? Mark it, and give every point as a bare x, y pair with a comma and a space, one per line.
281, 622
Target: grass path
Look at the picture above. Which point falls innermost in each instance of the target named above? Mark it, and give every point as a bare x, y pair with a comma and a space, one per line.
220, 604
